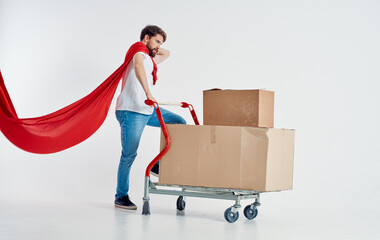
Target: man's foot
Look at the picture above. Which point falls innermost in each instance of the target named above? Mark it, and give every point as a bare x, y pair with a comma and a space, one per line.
126, 203
154, 170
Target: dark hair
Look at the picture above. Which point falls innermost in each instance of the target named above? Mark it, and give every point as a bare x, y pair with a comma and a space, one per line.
152, 31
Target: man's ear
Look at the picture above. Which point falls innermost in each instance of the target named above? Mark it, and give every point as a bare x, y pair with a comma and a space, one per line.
146, 37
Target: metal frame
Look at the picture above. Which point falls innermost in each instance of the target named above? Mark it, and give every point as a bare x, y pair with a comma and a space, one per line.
203, 192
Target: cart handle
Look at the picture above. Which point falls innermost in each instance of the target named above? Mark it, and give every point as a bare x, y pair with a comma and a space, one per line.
164, 129
180, 104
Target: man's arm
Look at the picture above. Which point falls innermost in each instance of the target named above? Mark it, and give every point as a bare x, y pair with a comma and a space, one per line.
161, 55
141, 76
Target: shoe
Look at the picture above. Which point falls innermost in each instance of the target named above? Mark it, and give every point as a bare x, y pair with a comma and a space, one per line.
125, 202
154, 170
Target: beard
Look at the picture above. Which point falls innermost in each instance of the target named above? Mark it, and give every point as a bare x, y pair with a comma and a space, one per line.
152, 51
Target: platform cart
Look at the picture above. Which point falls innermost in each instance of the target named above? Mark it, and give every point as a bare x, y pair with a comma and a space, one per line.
231, 214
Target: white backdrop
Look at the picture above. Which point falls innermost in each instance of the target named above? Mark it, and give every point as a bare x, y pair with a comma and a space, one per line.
320, 57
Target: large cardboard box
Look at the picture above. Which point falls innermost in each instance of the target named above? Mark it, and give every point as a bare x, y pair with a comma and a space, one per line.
248, 158
254, 108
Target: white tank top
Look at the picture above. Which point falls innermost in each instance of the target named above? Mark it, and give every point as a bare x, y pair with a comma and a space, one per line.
132, 94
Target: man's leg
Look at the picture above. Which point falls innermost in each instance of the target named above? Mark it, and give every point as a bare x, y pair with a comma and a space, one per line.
168, 117
132, 125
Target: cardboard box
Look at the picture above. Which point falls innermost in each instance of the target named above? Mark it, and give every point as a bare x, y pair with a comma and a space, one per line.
254, 108
248, 158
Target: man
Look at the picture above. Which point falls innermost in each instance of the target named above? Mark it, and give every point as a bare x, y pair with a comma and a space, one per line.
131, 111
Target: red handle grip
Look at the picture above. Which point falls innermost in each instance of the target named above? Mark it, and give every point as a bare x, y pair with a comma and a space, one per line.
149, 102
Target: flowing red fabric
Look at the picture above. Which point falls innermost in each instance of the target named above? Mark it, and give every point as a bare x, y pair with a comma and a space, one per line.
68, 126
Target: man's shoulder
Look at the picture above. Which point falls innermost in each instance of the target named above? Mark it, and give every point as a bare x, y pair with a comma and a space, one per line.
142, 53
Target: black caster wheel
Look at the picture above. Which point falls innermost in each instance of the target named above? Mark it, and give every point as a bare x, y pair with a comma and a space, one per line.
249, 213
231, 216
181, 204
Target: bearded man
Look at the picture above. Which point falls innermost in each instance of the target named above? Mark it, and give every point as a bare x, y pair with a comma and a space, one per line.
132, 112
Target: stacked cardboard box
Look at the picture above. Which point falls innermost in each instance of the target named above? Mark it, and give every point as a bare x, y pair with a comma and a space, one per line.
249, 108
237, 148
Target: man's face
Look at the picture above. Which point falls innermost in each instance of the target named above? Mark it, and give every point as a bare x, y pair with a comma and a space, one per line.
154, 44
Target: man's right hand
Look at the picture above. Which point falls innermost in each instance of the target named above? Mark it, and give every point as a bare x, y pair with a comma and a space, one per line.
150, 97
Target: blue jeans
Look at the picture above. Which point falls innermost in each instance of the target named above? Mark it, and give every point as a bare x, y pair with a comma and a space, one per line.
132, 125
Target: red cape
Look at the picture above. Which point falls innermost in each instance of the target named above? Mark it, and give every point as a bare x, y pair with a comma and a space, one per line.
68, 126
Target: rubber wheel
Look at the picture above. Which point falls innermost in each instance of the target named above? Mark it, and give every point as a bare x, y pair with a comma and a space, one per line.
231, 216
250, 213
181, 204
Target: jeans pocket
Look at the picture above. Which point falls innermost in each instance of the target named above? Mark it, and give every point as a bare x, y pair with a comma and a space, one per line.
120, 116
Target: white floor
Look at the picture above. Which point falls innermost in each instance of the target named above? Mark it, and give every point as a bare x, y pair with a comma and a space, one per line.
203, 218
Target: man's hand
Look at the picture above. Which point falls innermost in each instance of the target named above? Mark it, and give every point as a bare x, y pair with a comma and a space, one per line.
161, 55
150, 97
